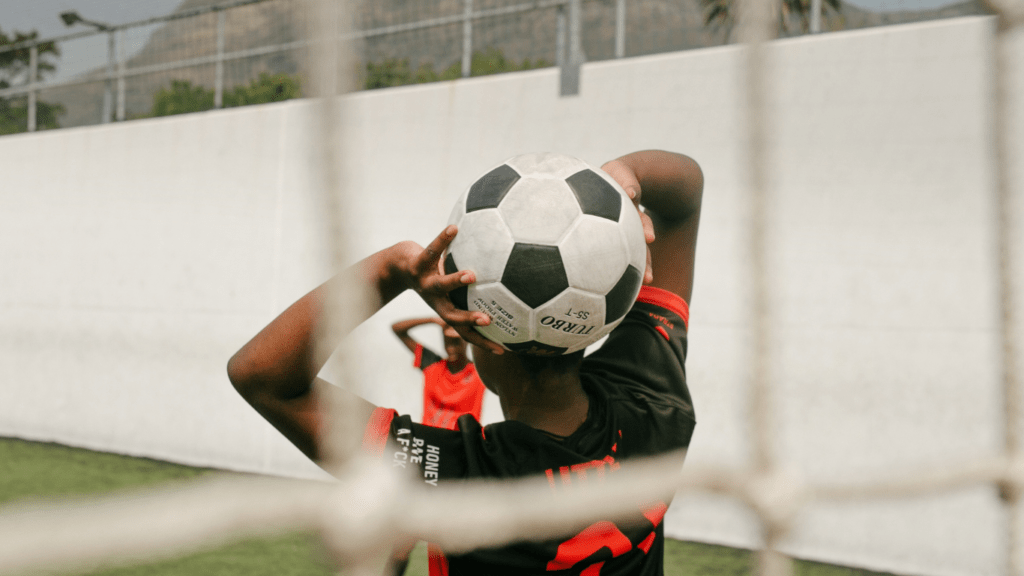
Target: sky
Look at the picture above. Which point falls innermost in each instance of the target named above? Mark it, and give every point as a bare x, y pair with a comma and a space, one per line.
82, 55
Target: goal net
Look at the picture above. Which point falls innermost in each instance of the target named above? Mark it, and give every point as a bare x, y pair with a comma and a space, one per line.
333, 142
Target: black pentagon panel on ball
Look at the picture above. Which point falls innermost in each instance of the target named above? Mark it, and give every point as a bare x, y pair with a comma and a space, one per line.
488, 191
596, 196
460, 295
534, 348
535, 273
621, 297
449, 264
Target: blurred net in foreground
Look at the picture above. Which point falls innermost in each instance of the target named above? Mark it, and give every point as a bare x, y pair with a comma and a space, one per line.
368, 509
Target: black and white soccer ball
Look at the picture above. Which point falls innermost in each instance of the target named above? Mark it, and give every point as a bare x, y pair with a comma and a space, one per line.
558, 251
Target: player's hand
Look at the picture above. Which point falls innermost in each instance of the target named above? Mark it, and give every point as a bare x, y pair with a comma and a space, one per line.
624, 175
429, 281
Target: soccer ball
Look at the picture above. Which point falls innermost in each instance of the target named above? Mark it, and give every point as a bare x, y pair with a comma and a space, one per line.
558, 251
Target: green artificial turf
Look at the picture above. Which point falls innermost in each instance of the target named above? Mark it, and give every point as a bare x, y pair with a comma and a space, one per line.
34, 470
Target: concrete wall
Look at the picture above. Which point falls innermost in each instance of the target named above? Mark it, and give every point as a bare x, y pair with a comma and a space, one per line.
134, 259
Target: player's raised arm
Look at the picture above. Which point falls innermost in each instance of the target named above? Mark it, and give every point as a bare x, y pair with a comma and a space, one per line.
276, 370
402, 327
669, 186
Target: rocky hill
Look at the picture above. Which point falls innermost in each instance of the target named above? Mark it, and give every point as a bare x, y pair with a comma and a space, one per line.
653, 26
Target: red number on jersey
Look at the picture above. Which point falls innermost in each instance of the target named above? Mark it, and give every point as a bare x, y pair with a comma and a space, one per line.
603, 534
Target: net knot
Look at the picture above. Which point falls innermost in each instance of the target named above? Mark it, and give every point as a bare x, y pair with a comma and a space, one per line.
776, 496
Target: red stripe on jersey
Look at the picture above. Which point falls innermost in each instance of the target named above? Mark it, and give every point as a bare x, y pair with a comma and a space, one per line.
662, 331
418, 358
437, 562
655, 513
647, 543
593, 570
665, 299
600, 535
375, 436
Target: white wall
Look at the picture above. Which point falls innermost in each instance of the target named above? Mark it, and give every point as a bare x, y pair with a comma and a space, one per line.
134, 259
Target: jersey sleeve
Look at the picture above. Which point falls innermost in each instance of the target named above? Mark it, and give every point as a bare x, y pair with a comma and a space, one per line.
648, 349
426, 453
424, 357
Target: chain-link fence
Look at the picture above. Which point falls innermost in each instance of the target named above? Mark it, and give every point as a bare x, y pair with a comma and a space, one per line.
207, 56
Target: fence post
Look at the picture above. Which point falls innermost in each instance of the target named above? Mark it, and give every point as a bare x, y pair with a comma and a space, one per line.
620, 28
815, 16
108, 90
120, 74
560, 38
218, 82
570, 69
33, 75
467, 39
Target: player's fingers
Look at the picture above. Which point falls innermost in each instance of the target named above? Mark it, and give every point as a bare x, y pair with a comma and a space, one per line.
432, 253
464, 323
622, 174
456, 317
648, 269
648, 225
473, 337
449, 282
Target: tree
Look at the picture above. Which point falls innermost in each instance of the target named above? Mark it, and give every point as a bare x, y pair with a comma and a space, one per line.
794, 15
14, 71
397, 72
265, 89
183, 97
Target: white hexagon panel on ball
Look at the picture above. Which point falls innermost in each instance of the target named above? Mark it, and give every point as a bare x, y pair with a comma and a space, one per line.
482, 245
539, 211
594, 254
551, 164
571, 320
510, 318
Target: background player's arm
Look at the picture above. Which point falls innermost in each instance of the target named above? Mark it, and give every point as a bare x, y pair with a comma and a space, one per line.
402, 327
276, 370
670, 187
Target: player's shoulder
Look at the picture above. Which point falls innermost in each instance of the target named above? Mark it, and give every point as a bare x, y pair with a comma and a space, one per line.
661, 308
425, 357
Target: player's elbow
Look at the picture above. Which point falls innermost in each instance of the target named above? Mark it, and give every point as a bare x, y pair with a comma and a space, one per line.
245, 374
687, 190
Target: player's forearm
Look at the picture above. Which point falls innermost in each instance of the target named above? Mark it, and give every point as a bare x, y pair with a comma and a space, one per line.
402, 327
281, 361
672, 184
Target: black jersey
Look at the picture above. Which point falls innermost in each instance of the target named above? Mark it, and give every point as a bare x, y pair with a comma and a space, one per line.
639, 406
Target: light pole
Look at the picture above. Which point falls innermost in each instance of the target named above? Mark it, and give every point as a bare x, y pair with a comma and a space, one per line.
71, 18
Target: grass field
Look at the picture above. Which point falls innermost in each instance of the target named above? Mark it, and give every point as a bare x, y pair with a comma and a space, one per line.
38, 470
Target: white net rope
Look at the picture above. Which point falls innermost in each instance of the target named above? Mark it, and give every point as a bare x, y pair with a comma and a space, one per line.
369, 509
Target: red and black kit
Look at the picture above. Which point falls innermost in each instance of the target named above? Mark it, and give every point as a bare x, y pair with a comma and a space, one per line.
446, 396
639, 406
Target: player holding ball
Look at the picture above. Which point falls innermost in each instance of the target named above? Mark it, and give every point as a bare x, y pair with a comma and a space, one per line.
566, 416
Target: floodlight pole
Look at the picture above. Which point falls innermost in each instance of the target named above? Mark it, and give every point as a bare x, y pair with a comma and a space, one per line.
70, 18
620, 28
33, 75
121, 62
108, 91
573, 61
218, 82
815, 16
467, 39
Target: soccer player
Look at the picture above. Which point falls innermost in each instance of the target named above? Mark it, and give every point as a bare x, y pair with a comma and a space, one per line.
566, 417
451, 386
